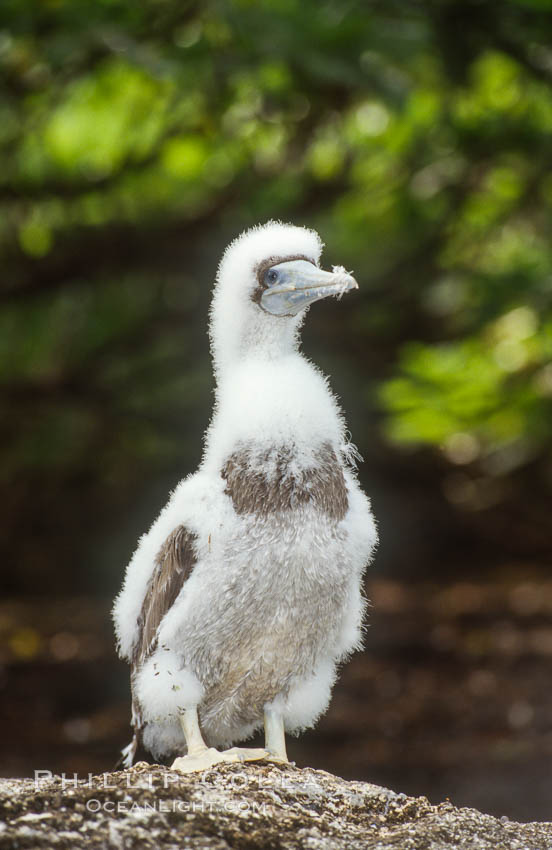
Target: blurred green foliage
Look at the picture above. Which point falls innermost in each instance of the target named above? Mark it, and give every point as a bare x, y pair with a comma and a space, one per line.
137, 139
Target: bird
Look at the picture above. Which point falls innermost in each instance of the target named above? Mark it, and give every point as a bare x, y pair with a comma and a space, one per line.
246, 594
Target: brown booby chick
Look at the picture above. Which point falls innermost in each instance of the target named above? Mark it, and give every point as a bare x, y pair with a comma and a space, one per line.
245, 594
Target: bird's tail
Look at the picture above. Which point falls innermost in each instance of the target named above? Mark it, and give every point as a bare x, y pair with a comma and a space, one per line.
126, 759
128, 753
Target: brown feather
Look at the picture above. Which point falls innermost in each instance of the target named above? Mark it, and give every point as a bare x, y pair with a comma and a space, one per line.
173, 566
252, 491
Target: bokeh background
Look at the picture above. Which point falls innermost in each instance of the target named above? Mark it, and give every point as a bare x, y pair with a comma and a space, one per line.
136, 140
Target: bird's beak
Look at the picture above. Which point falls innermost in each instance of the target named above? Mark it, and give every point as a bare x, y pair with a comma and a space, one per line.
293, 285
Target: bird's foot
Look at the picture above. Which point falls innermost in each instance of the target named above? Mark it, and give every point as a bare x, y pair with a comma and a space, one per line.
209, 757
276, 758
247, 754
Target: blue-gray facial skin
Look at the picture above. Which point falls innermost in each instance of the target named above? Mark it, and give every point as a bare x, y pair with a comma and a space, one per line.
292, 286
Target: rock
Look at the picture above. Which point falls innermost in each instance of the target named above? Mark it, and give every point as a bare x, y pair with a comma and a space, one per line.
254, 805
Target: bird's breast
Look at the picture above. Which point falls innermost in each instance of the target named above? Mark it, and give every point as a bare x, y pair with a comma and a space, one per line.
267, 482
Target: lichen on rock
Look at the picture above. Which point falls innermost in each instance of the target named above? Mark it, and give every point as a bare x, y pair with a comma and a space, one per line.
254, 805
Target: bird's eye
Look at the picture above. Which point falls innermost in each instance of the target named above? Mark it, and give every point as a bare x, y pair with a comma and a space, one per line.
271, 276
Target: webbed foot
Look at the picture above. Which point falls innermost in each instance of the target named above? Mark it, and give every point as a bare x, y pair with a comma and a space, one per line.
204, 759
277, 758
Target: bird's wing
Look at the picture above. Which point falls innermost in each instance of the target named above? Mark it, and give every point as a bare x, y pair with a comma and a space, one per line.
173, 566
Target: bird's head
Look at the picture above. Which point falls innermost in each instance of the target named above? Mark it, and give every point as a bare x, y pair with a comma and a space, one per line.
267, 279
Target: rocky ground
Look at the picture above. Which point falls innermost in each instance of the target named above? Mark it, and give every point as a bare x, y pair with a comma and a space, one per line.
256, 805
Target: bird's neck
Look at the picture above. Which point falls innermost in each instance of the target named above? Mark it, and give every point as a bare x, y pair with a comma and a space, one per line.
251, 335
267, 401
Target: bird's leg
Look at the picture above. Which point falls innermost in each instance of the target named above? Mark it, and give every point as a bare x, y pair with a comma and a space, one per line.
200, 756
192, 733
275, 736
275, 740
